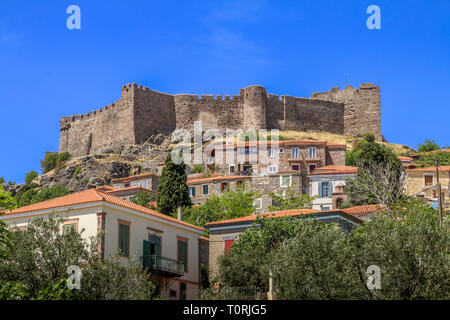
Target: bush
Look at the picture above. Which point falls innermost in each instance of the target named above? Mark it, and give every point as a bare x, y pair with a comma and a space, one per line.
198, 168
54, 160
77, 171
33, 196
30, 177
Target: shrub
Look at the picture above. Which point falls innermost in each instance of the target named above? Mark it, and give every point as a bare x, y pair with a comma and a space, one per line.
30, 177
198, 168
54, 160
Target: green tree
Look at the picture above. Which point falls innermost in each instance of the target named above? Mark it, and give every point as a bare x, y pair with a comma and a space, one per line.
429, 159
380, 175
143, 199
54, 160
7, 202
38, 257
30, 177
233, 203
427, 146
2, 181
52, 192
410, 247
172, 188
27, 197
290, 199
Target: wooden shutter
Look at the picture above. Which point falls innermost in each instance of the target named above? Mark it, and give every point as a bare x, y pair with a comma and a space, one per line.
146, 254
320, 189
124, 237
182, 253
228, 243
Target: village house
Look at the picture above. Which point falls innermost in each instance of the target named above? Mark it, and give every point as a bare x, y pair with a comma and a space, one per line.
422, 183
224, 233
170, 248
146, 180
327, 184
263, 158
126, 193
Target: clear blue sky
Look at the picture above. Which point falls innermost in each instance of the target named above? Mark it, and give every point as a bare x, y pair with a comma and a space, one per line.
216, 47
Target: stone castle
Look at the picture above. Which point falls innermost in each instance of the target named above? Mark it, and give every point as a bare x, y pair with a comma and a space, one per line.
142, 112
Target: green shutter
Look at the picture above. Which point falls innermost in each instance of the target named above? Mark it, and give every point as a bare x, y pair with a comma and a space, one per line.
124, 235
320, 189
182, 252
146, 254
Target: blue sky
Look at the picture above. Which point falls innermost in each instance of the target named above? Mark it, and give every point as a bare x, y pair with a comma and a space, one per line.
216, 47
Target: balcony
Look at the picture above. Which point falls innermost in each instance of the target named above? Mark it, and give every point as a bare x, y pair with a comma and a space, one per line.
166, 267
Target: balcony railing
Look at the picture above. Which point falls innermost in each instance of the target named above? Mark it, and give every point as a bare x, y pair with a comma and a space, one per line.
166, 266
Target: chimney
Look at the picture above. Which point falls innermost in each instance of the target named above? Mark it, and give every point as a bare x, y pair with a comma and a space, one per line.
180, 212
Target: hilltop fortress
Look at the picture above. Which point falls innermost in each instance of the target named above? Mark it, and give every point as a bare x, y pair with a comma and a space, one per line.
142, 112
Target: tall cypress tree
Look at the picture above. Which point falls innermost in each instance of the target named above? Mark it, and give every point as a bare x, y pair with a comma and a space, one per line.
172, 187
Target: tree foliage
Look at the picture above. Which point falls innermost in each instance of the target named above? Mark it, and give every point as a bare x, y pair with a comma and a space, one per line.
429, 159
172, 188
7, 202
312, 260
144, 199
380, 174
233, 203
30, 177
37, 258
32, 196
54, 160
290, 199
427, 146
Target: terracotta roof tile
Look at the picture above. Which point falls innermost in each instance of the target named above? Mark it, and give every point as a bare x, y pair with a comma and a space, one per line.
430, 169
93, 195
334, 170
135, 177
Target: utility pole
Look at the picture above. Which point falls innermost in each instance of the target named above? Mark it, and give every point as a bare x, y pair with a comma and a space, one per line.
438, 185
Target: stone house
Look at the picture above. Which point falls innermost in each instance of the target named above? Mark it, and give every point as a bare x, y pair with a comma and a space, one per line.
146, 180
224, 233
126, 193
327, 185
170, 248
421, 183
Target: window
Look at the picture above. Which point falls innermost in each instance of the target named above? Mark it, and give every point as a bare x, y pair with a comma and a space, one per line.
325, 208
258, 204
228, 243
172, 294
240, 183
182, 249
192, 191
295, 153
223, 186
281, 150
69, 227
312, 152
145, 184
124, 238
231, 169
117, 186
135, 184
295, 167
312, 167
428, 180
434, 194
420, 196
271, 153
325, 189
273, 169
285, 181
182, 291
205, 189
127, 185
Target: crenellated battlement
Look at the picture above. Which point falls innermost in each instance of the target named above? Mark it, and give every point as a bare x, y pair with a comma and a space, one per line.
141, 112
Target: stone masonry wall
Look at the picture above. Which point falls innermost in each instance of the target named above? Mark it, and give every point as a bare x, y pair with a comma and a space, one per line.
142, 112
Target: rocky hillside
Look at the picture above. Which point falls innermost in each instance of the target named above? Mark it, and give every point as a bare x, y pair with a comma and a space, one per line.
99, 169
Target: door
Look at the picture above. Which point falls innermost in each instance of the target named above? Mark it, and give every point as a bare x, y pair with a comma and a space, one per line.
155, 250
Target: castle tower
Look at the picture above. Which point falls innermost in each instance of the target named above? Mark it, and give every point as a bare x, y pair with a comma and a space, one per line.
255, 105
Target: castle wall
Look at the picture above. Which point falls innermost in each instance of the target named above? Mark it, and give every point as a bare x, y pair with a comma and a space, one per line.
362, 108
220, 113
113, 124
154, 112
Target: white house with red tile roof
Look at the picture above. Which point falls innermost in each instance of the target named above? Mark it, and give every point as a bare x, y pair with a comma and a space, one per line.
326, 181
166, 246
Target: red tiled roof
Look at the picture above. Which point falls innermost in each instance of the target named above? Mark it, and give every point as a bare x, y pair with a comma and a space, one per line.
116, 190
354, 211
216, 179
334, 170
93, 195
405, 158
430, 169
135, 177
